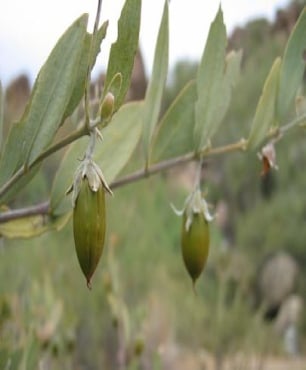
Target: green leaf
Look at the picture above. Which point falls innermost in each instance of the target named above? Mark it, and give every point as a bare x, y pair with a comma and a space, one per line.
100, 36
19, 185
49, 99
13, 154
292, 68
10, 160
112, 154
81, 75
174, 136
123, 51
265, 115
120, 140
211, 104
29, 227
156, 85
232, 68
55, 83
1, 113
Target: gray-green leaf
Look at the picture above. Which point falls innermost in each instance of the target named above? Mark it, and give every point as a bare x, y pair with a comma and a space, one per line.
156, 85
123, 51
265, 115
211, 104
81, 75
53, 90
292, 68
174, 136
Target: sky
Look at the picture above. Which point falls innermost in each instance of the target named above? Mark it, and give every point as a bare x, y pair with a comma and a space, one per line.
29, 29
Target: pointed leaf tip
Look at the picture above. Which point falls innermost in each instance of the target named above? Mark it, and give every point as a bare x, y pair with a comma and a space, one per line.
213, 84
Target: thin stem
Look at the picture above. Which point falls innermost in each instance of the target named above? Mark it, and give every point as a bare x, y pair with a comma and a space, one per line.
153, 169
296, 122
38, 209
169, 163
91, 145
133, 177
97, 20
75, 135
277, 133
197, 183
239, 145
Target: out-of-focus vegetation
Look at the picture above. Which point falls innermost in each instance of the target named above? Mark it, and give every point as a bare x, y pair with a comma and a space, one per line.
142, 312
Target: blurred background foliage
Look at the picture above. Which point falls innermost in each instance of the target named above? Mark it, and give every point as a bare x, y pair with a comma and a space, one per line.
142, 312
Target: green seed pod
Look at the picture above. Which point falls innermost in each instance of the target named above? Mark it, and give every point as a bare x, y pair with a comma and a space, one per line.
195, 233
89, 227
88, 201
195, 245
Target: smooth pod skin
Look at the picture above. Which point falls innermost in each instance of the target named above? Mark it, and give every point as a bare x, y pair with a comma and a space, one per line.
89, 228
195, 245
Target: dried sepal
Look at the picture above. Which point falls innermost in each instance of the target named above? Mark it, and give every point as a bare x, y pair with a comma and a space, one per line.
194, 204
90, 170
268, 157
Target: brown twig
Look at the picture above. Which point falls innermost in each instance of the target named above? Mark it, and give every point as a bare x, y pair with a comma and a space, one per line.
14, 214
43, 208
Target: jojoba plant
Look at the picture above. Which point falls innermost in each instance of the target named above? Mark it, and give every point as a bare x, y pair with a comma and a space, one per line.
185, 132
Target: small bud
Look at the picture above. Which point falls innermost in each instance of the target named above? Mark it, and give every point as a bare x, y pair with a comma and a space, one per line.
107, 108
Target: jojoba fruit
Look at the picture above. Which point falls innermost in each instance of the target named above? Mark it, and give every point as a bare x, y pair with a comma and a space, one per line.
195, 245
89, 227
